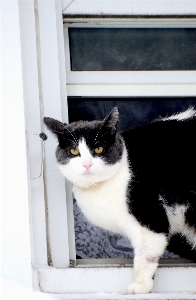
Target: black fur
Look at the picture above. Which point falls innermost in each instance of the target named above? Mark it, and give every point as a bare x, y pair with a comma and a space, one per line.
96, 133
162, 157
163, 160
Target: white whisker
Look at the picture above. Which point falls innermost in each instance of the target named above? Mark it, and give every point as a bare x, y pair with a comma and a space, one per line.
74, 137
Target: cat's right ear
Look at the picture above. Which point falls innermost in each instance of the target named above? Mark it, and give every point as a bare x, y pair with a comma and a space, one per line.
54, 126
111, 121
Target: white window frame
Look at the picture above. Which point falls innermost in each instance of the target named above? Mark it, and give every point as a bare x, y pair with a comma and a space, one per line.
128, 8
51, 217
128, 83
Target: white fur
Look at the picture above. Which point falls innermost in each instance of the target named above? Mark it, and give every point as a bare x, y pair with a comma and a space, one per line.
105, 206
188, 114
176, 217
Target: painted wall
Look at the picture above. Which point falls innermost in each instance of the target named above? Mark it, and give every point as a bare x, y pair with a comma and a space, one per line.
16, 255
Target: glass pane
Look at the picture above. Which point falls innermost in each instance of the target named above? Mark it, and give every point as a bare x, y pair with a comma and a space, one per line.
130, 49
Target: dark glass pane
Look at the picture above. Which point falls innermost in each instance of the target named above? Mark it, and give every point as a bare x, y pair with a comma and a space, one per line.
133, 111
125, 49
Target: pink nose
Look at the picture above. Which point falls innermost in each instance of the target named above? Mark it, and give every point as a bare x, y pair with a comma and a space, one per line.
87, 164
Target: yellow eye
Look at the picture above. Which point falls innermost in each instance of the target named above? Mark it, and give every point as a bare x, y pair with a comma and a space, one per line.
74, 151
98, 150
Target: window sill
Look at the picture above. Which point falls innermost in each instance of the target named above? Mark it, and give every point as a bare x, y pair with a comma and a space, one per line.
112, 281
128, 262
118, 296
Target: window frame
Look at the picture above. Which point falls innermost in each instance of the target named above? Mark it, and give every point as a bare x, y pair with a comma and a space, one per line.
134, 83
51, 218
43, 63
124, 8
128, 83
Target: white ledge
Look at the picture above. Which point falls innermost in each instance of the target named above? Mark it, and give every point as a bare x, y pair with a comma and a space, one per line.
115, 280
116, 296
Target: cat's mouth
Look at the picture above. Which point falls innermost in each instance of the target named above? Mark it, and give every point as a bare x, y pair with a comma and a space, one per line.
88, 173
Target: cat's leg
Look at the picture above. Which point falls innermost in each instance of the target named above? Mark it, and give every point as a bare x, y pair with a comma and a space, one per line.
147, 254
144, 269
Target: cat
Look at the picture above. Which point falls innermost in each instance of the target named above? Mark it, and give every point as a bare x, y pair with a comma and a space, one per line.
140, 183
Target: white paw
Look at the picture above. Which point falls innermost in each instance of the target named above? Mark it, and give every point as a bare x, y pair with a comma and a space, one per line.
140, 288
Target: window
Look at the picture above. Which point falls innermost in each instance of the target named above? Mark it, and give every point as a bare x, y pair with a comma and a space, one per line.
47, 86
142, 73
132, 49
134, 54
132, 65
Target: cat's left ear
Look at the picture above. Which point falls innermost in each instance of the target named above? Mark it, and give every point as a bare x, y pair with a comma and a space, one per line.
54, 126
111, 121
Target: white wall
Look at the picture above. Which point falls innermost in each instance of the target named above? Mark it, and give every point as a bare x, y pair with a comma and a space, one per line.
16, 256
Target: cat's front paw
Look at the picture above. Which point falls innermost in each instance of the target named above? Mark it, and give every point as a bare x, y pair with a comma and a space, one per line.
140, 288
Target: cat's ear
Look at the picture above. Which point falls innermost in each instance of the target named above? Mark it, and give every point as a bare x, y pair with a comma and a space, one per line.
111, 121
54, 126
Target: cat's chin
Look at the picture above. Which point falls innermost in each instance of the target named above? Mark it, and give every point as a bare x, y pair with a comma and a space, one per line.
87, 180
88, 185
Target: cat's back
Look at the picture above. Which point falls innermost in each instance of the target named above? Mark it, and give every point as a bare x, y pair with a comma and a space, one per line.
164, 148
166, 130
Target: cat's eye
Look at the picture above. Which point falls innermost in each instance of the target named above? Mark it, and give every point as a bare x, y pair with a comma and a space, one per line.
74, 151
98, 150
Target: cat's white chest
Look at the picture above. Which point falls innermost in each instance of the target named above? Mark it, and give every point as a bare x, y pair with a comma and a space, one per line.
105, 205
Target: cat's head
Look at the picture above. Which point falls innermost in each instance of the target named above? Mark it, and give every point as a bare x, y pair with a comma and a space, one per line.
88, 152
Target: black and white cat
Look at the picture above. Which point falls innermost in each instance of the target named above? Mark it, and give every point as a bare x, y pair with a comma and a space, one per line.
140, 184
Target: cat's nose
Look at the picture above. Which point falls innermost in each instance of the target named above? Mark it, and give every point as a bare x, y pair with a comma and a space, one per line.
87, 164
